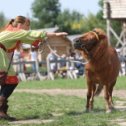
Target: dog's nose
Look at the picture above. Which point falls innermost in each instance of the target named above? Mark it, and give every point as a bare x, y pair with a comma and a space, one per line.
76, 40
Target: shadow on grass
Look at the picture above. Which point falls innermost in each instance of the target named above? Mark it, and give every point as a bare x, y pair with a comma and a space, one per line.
76, 113
42, 117
28, 118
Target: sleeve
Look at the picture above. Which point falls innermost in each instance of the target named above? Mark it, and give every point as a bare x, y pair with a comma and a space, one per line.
24, 36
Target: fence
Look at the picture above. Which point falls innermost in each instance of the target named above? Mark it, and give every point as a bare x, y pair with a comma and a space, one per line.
69, 68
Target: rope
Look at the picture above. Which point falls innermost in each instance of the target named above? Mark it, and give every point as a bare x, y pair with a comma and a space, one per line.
48, 45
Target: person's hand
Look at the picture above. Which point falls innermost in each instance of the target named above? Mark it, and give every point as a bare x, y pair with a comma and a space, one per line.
61, 34
56, 34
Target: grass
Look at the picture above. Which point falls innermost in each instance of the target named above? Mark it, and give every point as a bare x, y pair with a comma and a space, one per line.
70, 109
63, 110
121, 83
66, 84
58, 83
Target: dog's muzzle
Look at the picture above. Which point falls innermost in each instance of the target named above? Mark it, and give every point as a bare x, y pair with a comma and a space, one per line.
77, 44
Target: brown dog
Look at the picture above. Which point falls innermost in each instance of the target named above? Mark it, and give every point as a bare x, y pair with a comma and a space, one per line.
102, 68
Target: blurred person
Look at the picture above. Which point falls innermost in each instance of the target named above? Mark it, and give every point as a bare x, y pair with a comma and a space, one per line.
34, 57
51, 64
62, 66
16, 58
52, 57
72, 70
79, 64
11, 36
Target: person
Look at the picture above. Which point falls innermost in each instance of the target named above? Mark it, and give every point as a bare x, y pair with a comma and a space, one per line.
12, 35
52, 57
16, 58
51, 64
34, 57
62, 70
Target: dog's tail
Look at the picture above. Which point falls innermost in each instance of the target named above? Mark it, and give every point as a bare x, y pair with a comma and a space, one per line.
98, 90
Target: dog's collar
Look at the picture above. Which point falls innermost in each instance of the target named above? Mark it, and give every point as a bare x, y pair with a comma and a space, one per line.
96, 34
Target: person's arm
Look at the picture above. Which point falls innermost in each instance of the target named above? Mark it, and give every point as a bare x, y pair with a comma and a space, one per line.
26, 36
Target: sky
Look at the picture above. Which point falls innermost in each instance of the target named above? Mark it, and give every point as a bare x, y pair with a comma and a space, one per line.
12, 8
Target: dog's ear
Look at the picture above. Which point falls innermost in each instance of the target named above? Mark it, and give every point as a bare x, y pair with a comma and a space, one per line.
101, 34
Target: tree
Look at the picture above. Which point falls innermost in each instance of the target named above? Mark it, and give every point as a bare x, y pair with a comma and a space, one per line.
91, 22
2, 20
70, 21
45, 12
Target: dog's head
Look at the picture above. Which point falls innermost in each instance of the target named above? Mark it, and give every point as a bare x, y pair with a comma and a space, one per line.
89, 41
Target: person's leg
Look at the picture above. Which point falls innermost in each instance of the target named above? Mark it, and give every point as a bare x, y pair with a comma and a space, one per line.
5, 92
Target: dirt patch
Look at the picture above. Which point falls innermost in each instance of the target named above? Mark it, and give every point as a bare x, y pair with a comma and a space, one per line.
120, 122
121, 106
69, 92
32, 121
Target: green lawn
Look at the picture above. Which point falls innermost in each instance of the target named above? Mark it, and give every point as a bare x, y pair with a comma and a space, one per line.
58, 83
70, 111
66, 84
62, 110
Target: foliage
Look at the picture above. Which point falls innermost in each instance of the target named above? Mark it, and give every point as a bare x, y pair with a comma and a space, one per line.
70, 21
99, 15
46, 12
2, 20
91, 22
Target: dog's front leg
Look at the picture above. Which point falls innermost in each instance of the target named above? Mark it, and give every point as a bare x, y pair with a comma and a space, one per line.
90, 96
